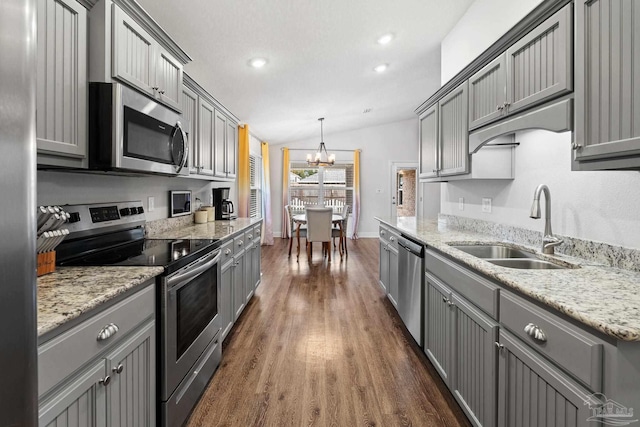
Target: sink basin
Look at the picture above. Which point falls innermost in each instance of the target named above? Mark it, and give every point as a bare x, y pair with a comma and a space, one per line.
526, 264
493, 251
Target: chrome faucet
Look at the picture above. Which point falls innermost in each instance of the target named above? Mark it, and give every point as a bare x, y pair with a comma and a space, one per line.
549, 241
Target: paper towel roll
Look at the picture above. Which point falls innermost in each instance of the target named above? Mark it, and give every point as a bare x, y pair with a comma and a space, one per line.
201, 217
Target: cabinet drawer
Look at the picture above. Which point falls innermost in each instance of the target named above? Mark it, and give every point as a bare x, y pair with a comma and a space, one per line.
480, 291
257, 231
61, 356
240, 242
393, 239
383, 233
248, 237
573, 349
226, 252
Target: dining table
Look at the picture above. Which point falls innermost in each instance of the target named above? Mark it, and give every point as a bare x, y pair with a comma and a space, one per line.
301, 219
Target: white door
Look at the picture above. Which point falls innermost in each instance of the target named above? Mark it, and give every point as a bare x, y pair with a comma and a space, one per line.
404, 190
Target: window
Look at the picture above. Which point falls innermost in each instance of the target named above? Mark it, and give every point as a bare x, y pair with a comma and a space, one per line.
255, 186
310, 186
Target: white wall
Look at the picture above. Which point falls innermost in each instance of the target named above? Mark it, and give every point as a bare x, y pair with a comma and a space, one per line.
381, 145
59, 188
599, 206
484, 22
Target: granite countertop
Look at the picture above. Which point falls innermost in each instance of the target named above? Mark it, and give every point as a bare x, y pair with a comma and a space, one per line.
209, 230
602, 297
69, 292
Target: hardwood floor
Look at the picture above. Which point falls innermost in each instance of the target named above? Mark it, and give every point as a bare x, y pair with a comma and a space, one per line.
319, 344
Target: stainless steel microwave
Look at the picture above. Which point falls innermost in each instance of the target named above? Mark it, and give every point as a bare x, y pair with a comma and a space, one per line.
129, 132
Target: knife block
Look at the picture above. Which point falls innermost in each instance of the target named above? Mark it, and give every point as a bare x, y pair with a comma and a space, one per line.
46, 263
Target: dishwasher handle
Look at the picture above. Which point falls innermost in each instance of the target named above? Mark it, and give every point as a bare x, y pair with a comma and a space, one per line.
411, 246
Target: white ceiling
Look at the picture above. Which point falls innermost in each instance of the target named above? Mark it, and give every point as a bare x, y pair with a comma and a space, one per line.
321, 58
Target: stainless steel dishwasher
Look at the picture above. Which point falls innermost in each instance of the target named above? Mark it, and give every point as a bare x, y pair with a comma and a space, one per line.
410, 274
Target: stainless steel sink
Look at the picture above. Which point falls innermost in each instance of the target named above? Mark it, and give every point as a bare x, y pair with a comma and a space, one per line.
526, 264
493, 251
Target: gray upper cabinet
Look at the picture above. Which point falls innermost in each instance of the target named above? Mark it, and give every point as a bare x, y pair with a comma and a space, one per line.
232, 149
540, 64
607, 72
61, 117
429, 143
190, 113
487, 93
206, 135
453, 119
139, 60
219, 146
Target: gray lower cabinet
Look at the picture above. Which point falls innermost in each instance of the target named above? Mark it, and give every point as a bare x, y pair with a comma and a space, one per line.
607, 75
460, 342
388, 266
226, 297
383, 267
533, 392
239, 296
89, 377
393, 275
61, 97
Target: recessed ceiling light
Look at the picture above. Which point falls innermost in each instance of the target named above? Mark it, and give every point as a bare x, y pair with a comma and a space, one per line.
258, 62
381, 68
385, 39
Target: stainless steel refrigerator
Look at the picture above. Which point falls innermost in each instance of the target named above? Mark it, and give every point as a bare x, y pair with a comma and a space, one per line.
18, 337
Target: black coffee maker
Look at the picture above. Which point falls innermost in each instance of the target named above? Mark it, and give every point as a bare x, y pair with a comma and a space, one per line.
221, 203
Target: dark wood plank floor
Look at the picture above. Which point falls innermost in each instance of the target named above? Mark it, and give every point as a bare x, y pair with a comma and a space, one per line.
320, 345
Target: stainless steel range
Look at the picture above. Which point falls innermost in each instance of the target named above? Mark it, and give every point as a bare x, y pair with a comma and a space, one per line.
188, 320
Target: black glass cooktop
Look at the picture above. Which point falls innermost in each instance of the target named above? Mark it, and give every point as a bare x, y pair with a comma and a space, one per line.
171, 254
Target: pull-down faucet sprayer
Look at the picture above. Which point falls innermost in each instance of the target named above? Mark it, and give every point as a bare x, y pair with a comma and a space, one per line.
549, 241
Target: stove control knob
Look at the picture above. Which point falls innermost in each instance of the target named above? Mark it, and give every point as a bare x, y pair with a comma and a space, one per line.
140, 210
125, 212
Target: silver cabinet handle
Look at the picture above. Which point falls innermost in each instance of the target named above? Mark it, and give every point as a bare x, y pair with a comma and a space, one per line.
250, 236
445, 299
393, 239
155, 88
161, 92
500, 107
576, 146
107, 332
535, 332
227, 252
500, 346
105, 381
240, 243
118, 369
382, 233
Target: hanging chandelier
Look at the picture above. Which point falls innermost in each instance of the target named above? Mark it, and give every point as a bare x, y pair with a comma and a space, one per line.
321, 157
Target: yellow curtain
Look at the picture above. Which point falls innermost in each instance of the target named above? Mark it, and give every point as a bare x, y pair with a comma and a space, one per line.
267, 221
286, 233
244, 178
356, 193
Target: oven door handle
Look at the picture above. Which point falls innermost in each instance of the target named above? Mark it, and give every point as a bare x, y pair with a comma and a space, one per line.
195, 270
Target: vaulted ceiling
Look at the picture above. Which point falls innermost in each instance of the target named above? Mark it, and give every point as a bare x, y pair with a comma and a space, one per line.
321, 58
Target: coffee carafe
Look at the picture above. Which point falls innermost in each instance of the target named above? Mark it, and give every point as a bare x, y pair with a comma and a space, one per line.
223, 206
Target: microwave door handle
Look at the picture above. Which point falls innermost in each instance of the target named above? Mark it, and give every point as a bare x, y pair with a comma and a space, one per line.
194, 271
185, 145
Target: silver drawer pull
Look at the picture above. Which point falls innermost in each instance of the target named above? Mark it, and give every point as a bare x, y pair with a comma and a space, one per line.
227, 252
118, 369
105, 381
393, 239
107, 332
240, 243
535, 332
250, 236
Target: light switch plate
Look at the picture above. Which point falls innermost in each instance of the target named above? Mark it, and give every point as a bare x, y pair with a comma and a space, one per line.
461, 203
151, 204
486, 204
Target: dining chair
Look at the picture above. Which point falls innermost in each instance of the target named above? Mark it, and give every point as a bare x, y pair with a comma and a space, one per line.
303, 228
335, 232
319, 229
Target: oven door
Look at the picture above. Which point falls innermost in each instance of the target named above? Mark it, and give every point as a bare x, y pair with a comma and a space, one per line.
151, 136
190, 317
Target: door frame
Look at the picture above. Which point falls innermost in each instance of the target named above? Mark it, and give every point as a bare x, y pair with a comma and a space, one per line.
395, 166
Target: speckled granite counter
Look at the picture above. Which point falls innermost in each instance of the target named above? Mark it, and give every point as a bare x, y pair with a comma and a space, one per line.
602, 297
210, 230
67, 293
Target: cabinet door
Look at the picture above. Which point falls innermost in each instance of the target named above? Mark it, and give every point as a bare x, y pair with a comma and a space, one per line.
190, 113
168, 79
239, 298
226, 298
383, 267
249, 285
540, 64
454, 132
206, 123
532, 392
219, 144
232, 149
134, 53
438, 319
132, 392
393, 275
476, 363
429, 143
83, 402
61, 123
487, 93
608, 83
257, 264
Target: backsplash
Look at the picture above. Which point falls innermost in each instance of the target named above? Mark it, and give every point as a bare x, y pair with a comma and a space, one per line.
614, 256
162, 225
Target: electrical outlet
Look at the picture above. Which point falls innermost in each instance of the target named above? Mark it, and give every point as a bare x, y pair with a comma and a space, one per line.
461, 203
379, 190
151, 203
486, 204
